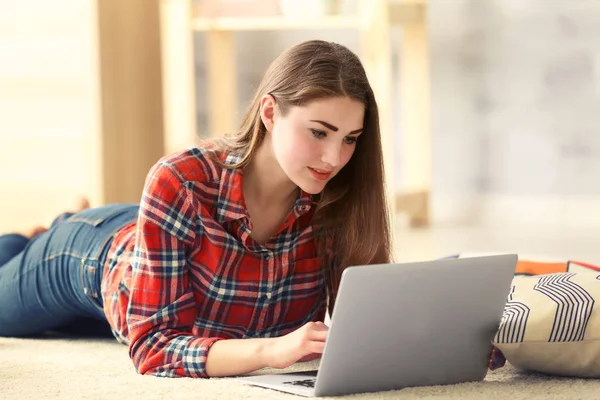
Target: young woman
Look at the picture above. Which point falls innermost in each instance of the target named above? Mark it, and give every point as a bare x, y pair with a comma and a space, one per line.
236, 249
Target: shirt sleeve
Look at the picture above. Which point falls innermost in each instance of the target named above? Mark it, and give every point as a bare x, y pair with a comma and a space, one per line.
162, 307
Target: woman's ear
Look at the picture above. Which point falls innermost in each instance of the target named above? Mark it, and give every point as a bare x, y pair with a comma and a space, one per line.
267, 111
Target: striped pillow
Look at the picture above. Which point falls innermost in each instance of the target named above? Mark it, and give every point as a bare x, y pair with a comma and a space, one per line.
551, 322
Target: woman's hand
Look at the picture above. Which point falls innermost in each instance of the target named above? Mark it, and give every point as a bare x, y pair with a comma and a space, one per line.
307, 343
304, 344
497, 359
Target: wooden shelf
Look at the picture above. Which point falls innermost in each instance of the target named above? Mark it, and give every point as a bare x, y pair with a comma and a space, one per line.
373, 21
399, 13
274, 23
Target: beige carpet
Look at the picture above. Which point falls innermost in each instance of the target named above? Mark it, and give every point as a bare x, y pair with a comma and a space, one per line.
100, 369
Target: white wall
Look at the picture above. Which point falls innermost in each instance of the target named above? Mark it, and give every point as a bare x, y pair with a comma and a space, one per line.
515, 94
515, 99
48, 108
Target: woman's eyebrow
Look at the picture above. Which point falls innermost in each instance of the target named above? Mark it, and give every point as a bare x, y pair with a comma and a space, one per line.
334, 128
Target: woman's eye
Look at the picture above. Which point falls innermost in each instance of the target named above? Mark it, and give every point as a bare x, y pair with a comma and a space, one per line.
350, 139
317, 133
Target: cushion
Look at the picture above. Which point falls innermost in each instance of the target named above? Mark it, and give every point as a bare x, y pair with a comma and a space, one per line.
551, 322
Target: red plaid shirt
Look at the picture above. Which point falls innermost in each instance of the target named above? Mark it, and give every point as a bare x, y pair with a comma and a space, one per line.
187, 273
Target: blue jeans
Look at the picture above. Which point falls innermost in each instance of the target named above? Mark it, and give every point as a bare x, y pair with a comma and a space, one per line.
55, 278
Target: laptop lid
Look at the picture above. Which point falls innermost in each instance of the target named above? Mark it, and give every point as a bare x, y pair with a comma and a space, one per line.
414, 324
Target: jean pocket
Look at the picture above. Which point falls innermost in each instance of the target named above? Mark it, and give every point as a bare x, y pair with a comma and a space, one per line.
91, 231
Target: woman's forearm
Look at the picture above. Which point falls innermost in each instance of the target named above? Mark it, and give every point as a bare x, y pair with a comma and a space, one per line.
237, 356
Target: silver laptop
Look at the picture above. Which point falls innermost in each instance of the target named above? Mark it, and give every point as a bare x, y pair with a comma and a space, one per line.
402, 325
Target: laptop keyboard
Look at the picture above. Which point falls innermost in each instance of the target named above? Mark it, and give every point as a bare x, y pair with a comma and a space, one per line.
309, 383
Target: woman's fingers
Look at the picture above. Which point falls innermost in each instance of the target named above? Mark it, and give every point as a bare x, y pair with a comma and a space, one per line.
301, 344
317, 331
319, 336
315, 347
497, 359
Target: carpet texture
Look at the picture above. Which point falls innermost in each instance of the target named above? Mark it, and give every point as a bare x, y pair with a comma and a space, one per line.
59, 368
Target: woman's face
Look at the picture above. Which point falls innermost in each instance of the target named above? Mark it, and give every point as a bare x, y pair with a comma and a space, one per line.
313, 143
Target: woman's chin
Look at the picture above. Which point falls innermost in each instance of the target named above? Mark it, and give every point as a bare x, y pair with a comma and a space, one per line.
312, 187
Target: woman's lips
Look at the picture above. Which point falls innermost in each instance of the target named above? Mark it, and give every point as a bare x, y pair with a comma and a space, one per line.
320, 174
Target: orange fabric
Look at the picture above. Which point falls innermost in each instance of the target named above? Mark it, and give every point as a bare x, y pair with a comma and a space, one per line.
540, 268
586, 265
525, 267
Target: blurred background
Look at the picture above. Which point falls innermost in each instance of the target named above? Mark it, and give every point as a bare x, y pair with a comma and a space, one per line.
492, 123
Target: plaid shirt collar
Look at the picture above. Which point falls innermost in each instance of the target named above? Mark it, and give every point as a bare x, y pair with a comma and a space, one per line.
231, 205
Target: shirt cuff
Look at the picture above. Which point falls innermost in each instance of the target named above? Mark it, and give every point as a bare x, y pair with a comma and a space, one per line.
195, 356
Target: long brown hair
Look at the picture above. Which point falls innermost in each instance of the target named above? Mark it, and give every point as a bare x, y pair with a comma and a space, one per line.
351, 218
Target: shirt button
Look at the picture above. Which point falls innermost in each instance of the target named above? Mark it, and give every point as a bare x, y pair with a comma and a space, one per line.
268, 296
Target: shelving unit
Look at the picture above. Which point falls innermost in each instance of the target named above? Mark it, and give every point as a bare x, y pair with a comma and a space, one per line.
374, 20
81, 95
273, 23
